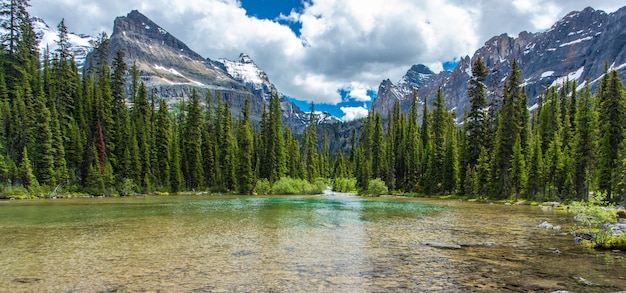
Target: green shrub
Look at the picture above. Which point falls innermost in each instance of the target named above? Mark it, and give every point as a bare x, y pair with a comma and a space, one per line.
291, 186
376, 187
592, 215
344, 184
263, 186
128, 187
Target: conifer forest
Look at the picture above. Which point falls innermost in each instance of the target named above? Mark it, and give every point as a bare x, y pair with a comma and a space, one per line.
101, 132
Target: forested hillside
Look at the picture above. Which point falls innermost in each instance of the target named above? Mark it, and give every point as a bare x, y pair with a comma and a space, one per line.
95, 133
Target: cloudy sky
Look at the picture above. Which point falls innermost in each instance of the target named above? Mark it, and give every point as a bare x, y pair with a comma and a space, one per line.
332, 52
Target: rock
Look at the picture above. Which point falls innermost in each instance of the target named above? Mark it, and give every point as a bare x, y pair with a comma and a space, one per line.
442, 245
546, 225
26, 280
583, 281
243, 253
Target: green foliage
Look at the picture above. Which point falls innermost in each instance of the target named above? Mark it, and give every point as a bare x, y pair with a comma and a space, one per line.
263, 186
376, 187
128, 187
291, 186
592, 214
344, 184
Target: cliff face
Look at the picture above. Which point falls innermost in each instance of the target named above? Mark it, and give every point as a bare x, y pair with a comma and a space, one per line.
575, 48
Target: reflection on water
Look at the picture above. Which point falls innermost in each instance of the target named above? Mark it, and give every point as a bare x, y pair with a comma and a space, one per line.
281, 244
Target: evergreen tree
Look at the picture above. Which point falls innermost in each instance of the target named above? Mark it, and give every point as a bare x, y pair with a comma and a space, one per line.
43, 153
412, 159
612, 113
192, 144
585, 144
518, 170
310, 154
228, 149
245, 141
27, 178
163, 141
514, 122
119, 112
176, 175
379, 157
476, 119
141, 125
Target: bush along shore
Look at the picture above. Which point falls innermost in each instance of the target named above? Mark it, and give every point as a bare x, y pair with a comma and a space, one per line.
599, 225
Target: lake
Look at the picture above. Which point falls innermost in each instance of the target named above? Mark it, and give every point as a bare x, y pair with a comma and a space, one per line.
293, 244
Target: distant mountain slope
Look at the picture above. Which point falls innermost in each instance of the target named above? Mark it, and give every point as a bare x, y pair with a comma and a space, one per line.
80, 45
576, 48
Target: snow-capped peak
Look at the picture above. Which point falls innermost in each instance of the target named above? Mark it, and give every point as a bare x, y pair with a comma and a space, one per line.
80, 45
247, 72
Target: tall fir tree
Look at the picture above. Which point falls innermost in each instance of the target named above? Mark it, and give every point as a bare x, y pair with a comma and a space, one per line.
245, 141
476, 118
192, 144
612, 115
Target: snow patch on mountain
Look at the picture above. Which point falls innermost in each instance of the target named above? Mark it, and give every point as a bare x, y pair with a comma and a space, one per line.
247, 71
80, 44
570, 77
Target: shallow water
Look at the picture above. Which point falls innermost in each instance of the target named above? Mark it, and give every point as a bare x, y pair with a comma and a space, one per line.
301, 243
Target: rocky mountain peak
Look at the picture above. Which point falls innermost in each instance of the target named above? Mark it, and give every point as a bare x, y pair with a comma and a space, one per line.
245, 58
141, 28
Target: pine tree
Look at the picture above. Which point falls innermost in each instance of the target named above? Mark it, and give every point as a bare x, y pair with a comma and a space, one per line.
141, 125
163, 141
379, 157
192, 144
228, 149
536, 183
119, 112
612, 113
412, 160
27, 178
245, 137
476, 119
585, 144
512, 121
42, 151
176, 175
310, 154
518, 169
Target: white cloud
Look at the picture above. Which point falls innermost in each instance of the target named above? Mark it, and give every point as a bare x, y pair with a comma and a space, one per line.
353, 113
342, 45
358, 92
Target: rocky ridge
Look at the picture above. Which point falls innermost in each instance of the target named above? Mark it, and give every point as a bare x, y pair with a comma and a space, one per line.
577, 47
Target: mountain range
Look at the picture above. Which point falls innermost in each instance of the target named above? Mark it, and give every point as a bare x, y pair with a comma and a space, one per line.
171, 70
578, 47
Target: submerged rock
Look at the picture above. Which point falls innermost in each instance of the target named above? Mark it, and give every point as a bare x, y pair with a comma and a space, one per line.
547, 225
443, 245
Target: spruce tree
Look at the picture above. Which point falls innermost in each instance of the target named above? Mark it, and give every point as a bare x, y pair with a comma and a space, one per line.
26, 176
192, 144
119, 112
585, 144
476, 119
612, 113
163, 143
245, 141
